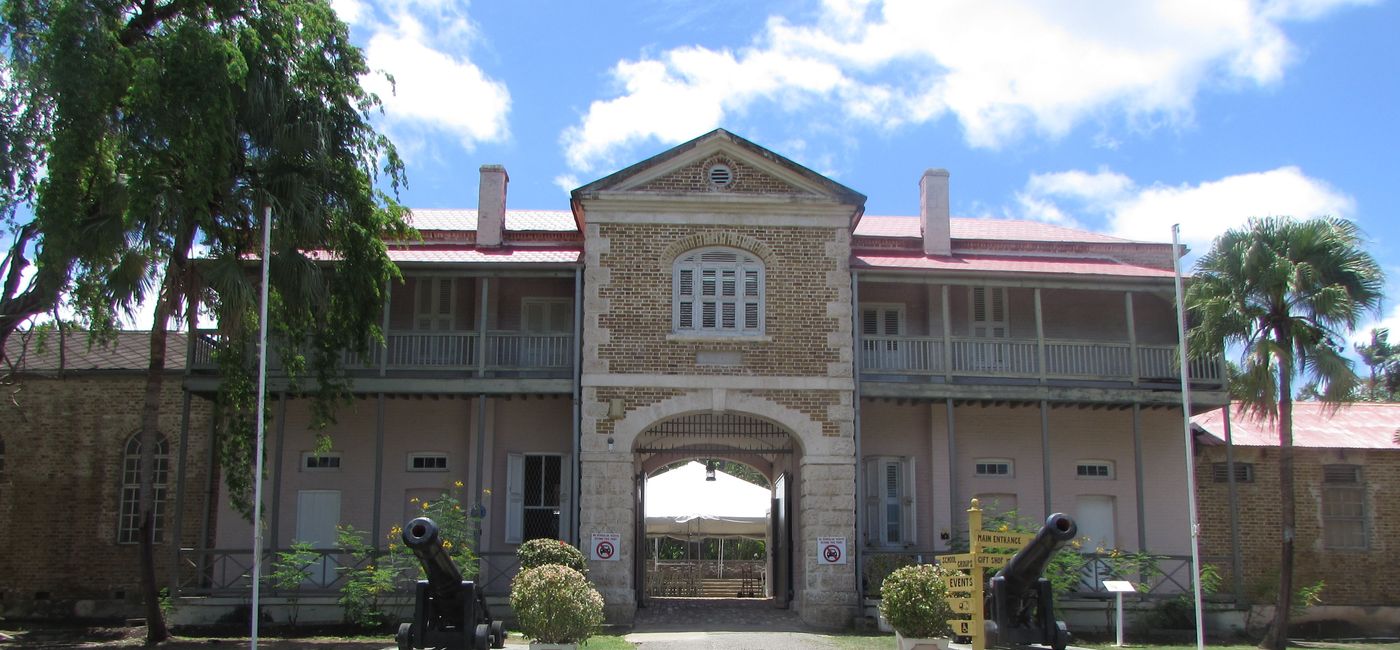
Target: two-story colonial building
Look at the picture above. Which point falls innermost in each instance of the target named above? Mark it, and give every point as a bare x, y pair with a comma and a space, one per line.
721, 301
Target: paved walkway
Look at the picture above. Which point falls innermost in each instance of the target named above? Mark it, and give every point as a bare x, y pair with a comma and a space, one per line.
721, 623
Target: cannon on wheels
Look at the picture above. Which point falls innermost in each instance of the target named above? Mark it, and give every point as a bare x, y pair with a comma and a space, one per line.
448, 612
1020, 603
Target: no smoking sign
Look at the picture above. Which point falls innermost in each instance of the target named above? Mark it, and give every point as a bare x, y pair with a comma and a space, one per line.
605, 547
831, 550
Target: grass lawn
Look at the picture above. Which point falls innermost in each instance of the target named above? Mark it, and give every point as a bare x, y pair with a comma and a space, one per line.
607, 642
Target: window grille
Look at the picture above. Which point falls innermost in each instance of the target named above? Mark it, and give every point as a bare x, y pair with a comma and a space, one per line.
1244, 472
1343, 507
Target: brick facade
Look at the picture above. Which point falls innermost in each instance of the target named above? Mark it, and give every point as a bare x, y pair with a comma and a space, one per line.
1353, 577
64, 442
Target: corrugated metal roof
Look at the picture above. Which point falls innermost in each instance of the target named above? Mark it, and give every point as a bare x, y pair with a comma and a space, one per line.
997, 229
1007, 264
486, 256
516, 220
129, 351
1362, 425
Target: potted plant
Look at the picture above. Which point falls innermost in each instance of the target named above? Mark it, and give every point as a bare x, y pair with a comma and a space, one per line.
555, 606
914, 600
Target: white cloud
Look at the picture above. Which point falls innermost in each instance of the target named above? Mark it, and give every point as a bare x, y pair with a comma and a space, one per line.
1390, 321
437, 88
349, 11
1002, 69
1204, 210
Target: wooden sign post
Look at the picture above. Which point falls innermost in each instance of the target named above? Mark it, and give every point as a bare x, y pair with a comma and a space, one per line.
965, 574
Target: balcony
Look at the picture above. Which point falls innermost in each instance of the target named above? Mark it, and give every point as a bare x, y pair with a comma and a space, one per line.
954, 359
409, 353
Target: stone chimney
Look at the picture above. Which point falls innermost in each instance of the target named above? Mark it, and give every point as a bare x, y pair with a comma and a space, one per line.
933, 212
491, 206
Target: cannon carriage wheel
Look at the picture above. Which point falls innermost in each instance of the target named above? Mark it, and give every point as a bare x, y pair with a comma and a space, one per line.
405, 636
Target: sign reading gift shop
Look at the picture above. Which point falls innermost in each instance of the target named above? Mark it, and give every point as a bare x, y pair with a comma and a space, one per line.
831, 550
605, 547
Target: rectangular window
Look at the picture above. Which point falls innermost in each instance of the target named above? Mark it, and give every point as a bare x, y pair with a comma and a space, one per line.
889, 496
1343, 507
997, 467
1094, 469
427, 461
320, 462
537, 497
1244, 472
434, 304
987, 311
718, 291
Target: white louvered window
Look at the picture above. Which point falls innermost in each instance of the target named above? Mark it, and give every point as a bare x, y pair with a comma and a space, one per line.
129, 523
986, 307
889, 501
718, 291
434, 305
880, 326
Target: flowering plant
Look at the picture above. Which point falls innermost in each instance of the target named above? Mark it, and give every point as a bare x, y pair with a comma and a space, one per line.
555, 604
542, 551
914, 599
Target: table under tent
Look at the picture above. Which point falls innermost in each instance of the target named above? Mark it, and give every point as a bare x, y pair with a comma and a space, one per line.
683, 505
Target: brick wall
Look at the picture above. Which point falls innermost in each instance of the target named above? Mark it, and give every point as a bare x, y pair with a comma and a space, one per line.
60, 491
695, 178
1353, 577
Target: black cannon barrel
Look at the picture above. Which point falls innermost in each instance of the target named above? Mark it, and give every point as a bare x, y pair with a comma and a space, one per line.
1027, 566
421, 536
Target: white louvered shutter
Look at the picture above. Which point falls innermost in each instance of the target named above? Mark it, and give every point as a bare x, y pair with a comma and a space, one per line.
515, 498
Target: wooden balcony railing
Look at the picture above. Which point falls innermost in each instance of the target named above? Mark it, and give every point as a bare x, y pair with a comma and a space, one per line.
1029, 358
458, 351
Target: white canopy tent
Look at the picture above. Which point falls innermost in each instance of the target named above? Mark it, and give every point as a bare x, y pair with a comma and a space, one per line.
680, 503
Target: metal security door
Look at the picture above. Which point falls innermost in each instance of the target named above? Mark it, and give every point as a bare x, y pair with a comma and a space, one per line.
782, 542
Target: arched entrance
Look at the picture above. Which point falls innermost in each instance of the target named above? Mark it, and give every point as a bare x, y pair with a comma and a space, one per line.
753, 442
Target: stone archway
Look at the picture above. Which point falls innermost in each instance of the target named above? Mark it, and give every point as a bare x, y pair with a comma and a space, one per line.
820, 469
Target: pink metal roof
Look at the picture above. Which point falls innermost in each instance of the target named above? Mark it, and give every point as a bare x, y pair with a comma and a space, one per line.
998, 229
1355, 426
1006, 264
459, 255
516, 220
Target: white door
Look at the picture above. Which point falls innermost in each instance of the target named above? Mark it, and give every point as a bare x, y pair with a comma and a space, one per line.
1094, 514
318, 514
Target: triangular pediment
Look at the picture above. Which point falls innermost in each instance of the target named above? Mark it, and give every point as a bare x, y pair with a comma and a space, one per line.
721, 163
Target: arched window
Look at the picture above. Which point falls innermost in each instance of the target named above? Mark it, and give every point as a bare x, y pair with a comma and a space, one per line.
129, 525
718, 291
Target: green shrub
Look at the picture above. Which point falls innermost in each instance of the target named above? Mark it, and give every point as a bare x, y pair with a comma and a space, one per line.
539, 552
555, 604
290, 571
914, 600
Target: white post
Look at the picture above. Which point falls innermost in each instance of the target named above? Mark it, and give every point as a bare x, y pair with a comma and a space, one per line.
1119, 595
1186, 433
261, 427
721, 558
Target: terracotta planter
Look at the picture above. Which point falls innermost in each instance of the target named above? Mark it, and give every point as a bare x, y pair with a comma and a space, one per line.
921, 644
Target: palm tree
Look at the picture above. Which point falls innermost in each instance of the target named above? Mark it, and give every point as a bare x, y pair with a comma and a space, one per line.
1285, 292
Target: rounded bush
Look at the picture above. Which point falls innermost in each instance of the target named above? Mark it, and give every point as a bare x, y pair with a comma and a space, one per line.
555, 604
914, 600
539, 552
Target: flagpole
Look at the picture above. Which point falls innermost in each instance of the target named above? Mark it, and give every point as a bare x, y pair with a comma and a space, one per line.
261, 427
1186, 432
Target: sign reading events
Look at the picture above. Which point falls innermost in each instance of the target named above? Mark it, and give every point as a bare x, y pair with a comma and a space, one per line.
831, 550
605, 547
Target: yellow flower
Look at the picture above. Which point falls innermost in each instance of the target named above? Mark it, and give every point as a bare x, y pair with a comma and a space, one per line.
446, 544
393, 547
1003, 528
425, 505
395, 530
457, 484
413, 500
486, 491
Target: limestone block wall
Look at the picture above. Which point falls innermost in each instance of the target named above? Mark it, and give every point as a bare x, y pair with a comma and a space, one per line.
60, 493
1353, 576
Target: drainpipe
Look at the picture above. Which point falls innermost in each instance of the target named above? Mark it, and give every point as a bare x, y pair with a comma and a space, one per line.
855, 398
576, 488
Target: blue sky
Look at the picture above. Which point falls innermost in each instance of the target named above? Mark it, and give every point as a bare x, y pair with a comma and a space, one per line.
1119, 117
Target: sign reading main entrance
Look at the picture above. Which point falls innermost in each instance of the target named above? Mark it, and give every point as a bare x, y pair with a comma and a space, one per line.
605, 547
831, 550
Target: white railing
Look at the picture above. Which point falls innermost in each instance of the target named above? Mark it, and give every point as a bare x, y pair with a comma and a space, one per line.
432, 350
518, 351
995, 357
1064, 359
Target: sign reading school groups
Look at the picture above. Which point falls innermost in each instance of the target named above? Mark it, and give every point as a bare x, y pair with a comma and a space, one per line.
988, 550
